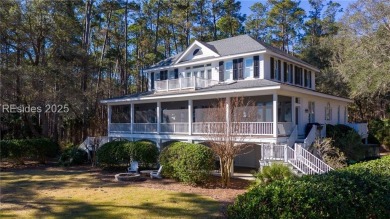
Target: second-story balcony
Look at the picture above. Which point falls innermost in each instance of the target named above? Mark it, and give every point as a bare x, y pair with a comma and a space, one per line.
183, 84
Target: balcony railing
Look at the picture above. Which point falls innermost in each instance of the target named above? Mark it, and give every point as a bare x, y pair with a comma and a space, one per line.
242, 128
183, 83
174, 128
145, 127
120, 127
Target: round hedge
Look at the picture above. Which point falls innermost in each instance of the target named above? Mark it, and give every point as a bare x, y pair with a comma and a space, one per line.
117, 153
186, 162
113, 153
359, 191
145, 152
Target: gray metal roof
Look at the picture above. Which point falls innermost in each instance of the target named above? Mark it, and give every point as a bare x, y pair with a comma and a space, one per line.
233, 86
232, 46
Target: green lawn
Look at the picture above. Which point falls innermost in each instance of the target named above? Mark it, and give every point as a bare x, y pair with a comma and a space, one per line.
58, 193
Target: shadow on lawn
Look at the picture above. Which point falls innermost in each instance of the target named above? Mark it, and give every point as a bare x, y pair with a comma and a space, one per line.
205, 208
20, 191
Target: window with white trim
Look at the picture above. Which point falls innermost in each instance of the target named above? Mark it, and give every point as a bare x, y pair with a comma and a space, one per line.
228, 70
328, 112
248, 68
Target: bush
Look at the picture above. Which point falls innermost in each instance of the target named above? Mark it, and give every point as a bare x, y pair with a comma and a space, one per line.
269, 174
145, 152
189, 163
114, 153
117, 153
359, 191
18, 150
72, 155
380, 129
347, 140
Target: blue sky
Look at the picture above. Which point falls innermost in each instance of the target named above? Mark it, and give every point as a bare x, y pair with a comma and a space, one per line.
245, 4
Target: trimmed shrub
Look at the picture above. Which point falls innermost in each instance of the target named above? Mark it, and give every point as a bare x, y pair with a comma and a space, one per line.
189, 163
114, 153
18, 150
118, 153
359, 191
145, 152
73, 156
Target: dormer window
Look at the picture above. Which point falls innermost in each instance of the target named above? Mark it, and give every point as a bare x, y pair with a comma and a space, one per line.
197, 52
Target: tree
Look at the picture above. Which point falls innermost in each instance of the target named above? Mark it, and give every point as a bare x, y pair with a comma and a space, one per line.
230, 24
222, 122
362, 57
285, 19
256, 25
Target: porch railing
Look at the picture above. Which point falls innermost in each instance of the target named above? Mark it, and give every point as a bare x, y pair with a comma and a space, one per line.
242, 128
299, 157
174, 128
183, 83
120, 127
145, 127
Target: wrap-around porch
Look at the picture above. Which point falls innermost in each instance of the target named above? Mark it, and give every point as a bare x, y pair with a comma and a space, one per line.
272, 117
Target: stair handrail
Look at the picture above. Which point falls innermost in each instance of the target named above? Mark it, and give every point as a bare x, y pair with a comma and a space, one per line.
310, 137
315, 162
293, 137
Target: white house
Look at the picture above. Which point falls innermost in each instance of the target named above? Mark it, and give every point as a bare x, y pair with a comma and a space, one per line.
180, 87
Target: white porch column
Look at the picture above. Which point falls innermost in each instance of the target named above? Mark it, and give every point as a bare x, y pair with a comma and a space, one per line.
131, 118
293, 111
275, 114
109, 112
190, 113
158, 116
227, 112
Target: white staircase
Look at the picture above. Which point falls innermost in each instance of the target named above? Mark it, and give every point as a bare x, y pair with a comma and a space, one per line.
92, 144
298, 157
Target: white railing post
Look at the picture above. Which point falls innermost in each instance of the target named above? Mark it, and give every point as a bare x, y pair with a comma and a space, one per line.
131, 118
158, 116
190, 113
109, 112
275, 115
285, 153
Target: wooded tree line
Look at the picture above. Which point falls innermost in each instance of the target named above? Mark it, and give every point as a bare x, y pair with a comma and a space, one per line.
78, 52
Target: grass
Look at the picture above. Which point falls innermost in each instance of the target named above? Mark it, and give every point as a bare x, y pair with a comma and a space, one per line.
66, 193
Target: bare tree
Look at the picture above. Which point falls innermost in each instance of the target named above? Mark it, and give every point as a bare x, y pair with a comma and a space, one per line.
226, 126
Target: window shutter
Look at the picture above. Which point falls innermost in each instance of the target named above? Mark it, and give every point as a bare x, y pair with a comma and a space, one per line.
291, 74
161, 75
235, 69
240, 68
285, 71
256, 66
272, 68
176, 73
279, 76
221, 71
152, 81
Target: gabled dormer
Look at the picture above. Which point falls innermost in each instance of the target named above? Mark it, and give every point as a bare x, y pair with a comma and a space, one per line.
197, 51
